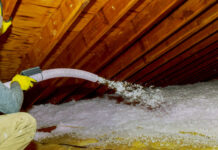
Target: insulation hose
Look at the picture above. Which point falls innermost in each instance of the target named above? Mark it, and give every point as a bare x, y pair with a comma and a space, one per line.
62, 72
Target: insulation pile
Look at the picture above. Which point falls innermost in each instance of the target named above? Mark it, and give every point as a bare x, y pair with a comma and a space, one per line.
189, 115
136, 94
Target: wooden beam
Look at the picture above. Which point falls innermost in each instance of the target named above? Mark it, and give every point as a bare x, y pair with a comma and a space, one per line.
179, 69
162, 32
160, 73
53, 31
177, 77
102, 22
163, 79
180, 49
175, 55
190, 69
124, 34
90, 11
8, 8
93, 32
127, 32
44, 3
193, 10
210, 56
152, 40
202, 73
177, 38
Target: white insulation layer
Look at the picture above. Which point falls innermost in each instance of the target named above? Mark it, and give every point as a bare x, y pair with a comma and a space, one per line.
62, 72
187, 109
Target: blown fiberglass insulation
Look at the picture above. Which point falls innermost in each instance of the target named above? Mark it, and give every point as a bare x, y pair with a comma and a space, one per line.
184, 110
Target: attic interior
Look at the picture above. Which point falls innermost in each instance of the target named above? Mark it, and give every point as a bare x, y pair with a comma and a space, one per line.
148, 42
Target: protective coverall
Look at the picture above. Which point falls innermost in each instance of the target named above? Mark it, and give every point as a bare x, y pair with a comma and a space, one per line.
17, 129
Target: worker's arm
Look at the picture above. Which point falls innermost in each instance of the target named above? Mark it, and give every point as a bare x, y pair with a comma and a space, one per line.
10, 99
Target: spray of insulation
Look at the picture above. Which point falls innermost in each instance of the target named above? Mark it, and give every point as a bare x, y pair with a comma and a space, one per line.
134, 93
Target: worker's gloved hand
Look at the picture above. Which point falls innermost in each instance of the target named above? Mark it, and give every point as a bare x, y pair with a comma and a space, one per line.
24, 81
5, 26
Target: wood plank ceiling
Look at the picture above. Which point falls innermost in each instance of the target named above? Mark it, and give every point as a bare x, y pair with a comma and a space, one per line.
151, 42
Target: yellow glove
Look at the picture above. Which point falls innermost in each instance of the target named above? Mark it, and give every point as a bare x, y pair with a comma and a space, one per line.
24, 81
5, 26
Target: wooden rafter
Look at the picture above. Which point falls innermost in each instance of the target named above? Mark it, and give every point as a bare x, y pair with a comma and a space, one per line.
83, 20
211, 70
204, 37
192, 68
165, 29
53, 31
8, 8
168, 73
141, 41
126, 34
150, 40
102, 22
161, 73
173, 73
180, 49
108, 16
180, 36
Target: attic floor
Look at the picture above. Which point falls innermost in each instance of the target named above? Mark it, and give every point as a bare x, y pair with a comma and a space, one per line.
65, 143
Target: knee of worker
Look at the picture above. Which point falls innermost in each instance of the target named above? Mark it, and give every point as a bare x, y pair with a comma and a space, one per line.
26, 121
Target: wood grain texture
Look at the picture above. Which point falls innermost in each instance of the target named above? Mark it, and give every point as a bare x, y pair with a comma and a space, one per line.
56, 28
161, 73
159, 33
91, 34
8, 8
180, 49
123, 35
152, 42
162, 31
169, 26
